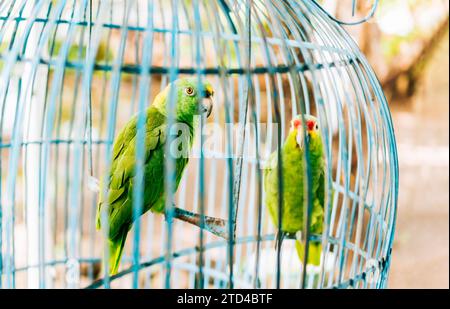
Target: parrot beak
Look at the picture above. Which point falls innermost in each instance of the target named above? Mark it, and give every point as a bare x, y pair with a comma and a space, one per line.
207, 105
299, 138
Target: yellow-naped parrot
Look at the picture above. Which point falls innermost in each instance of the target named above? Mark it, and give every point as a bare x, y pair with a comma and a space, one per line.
294, 179
191, 100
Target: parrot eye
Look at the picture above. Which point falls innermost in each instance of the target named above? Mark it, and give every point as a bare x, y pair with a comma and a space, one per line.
316, 127
190, 91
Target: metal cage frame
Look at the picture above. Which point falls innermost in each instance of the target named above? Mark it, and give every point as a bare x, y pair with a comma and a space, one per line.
270, 60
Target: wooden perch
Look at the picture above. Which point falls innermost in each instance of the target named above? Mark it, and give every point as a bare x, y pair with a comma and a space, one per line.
213, 225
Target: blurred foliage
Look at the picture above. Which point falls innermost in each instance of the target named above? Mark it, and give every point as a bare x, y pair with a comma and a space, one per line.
391, 45
3, 47
392, 42
77, 52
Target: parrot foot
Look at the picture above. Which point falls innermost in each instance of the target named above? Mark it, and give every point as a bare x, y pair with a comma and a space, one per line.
213, 225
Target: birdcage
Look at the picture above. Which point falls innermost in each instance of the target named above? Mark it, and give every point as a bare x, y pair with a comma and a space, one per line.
73, 72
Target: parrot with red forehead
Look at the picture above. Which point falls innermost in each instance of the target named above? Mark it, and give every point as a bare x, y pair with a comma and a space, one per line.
294, 174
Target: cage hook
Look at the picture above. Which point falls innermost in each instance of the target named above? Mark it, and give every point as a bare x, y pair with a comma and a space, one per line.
353, 23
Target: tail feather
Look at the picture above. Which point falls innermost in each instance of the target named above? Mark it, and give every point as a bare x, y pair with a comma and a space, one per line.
116, 246
315, 250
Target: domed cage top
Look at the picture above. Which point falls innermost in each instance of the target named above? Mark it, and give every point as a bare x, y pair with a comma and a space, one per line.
72, 74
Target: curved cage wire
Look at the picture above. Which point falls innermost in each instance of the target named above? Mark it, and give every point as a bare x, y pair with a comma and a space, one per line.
73, 72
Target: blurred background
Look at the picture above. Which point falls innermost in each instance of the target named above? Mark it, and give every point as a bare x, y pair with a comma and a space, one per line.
407, 45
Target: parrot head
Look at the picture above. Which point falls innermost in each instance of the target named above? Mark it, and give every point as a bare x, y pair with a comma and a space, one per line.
311, 126
192, 98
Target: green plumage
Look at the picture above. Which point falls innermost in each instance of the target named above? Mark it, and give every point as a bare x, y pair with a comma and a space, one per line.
294, 193
119, 191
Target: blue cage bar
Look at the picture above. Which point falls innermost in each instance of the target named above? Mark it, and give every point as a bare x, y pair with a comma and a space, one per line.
73, 72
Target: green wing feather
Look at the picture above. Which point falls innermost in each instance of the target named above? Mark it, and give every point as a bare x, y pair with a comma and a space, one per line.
293, 199
315, 249
269, 187
120, 185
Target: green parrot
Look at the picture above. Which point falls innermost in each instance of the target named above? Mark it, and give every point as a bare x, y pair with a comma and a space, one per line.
190, 101
294, 173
